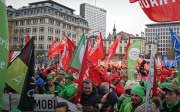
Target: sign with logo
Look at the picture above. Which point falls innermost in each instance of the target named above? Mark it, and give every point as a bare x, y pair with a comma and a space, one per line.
40, 56
133, 54
43, 103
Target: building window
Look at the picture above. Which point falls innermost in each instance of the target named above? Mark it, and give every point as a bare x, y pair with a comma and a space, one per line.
41, 46
109, 42
57, 23
57, 31
41, 29
15, 23
51, 21
50, 30
69, 34
21, 22
82, 30
64, 25
63, 33
74, 28
86, 31
125, 41
28, 22
15, 31
28, 30
105, 49
41, 38
58, 14
120, 41
50, 38
35, 29
57, 39
69, 27
48, 46
36, 11
51, 11
124, 49
15, 39
43, 11
35, 21
120, 49
42, 20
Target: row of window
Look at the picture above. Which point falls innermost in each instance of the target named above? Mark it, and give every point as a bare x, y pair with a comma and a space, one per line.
161, 29
162, 33
113, 42
50, 11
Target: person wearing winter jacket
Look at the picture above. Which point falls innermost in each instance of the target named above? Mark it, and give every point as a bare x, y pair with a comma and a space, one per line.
114, 82
137, 98
127, 91
50, 87
90, 96
172, 97
68, 89
156, 102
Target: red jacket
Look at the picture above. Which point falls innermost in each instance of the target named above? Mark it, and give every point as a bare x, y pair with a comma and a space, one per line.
119, 88
165, 73
160, 78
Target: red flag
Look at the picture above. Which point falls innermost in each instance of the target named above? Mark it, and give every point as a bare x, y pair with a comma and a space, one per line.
113, 47
97, 51
63, 58
94, 74
27, 39
128, 44
160, 10
61, 45
10, 56
53, 50
154, 84
71, 48
84, 74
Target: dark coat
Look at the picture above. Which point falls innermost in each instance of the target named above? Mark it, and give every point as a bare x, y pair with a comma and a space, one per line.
91, 100
175, 108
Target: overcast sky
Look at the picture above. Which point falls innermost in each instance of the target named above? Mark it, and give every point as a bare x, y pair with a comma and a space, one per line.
128, 17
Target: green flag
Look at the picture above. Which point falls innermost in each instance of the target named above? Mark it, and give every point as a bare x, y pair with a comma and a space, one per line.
40, 56
4, 44
78, 55
132, 57
15, 76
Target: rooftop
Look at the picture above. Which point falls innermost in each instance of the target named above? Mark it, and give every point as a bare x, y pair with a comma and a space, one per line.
164, 23
51, 1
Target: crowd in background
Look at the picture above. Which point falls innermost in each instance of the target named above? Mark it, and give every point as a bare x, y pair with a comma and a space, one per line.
127, 95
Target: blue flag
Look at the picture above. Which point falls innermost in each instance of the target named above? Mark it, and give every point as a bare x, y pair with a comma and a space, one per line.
165, 60
170, 63
176, 44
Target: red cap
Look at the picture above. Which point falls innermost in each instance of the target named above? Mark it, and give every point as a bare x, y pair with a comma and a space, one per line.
113, 76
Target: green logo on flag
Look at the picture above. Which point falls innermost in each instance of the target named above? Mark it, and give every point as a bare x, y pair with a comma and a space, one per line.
134, 53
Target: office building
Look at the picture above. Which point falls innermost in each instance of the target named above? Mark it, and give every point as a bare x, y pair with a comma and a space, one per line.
45, 21
159, 34
96, 18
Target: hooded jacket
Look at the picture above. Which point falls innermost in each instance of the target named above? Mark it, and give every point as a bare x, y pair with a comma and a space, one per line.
119, 88
68, 90
91, 100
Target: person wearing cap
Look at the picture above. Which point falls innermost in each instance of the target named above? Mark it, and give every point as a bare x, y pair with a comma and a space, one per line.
137, 99
175, 73
50, 87
68, 89
128, 87
60, 77
39, 80
172, 97
162, 93
114, 82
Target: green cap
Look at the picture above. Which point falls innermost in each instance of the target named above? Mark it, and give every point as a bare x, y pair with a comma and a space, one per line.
15, 110
69, 76
173, 88
165, 84
139, 91
50, 77
61, 72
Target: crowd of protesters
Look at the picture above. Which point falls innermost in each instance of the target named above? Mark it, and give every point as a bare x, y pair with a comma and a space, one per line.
127, 95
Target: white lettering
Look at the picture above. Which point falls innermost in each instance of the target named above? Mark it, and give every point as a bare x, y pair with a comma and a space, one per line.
96, 45
5, 42
141, 4
173, 0
33, 80
146, 5
161, 2
153, 2
2, 64
31, 93
16, 79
